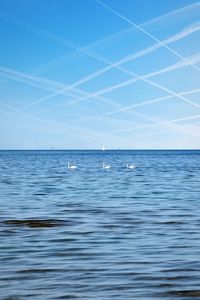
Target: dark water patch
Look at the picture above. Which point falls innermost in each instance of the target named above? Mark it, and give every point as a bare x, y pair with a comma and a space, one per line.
13, 298
177, 270
68, 297
17, 277
170, 222
7, 232
176, 278
164, 285
7, 182
62, 240
40, 271
40, 194
184, 293
35, 223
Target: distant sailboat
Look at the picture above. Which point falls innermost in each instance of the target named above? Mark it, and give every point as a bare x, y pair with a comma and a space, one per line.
103, 148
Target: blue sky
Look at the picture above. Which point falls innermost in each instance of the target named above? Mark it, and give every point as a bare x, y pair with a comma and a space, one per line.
80, 74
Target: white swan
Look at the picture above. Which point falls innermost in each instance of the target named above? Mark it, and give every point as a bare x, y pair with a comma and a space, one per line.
106, 166
130, 166
71, 167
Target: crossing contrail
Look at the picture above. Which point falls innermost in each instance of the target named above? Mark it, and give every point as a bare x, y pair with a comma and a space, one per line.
195, 58
128, 58
76, 47
41, 69
58, 127
48, 81
136, 105
41, 80
153, 125
49, 36
145, 32
46, 84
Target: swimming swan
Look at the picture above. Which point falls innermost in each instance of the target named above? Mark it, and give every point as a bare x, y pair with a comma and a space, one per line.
72, 167
130, 166
106, 166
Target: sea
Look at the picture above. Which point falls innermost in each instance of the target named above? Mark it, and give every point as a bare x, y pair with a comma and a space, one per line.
102, 234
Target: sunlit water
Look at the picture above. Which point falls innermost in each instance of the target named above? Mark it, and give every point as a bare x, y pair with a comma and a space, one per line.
92, 233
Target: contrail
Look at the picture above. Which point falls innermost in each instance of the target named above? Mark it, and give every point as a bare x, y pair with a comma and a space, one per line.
174, 13
43, 83
128, 58
174, 142
41, 79
71, 45
152, 119
129, 107
144, 31
141, 53
152, 125
76, 49
144, 78
36, 79
59, 127
195, 58
95, 135
30, 79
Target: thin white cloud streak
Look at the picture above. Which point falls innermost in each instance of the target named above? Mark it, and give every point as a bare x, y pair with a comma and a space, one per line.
153, 125
44, 67
62, 129
50, 126
52, 37
41, 80
65, 42
144, 116
66, 90
54, 127
52, 85
145, 32
194, 124
195, 59
92, 134
138, 114
130, 107
73, 46
144, 78
46, 84
139, 54
49, 37
172, 15
117, 65
179, 143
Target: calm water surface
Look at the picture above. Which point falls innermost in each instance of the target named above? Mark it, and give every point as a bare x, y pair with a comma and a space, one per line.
100, 234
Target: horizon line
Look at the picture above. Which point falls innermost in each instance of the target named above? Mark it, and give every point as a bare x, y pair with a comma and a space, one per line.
111, 149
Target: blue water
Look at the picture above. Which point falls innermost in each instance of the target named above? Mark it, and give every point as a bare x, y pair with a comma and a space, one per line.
100, 234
